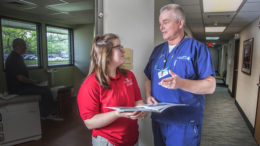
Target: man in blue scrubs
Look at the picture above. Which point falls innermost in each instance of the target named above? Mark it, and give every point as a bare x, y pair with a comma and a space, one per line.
179, 71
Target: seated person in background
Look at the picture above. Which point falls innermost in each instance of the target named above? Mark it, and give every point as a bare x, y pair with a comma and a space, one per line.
18, 81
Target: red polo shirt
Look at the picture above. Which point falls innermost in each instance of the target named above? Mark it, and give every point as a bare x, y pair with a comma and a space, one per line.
92, 99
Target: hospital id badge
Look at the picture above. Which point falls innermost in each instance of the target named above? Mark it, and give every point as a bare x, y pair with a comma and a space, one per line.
163, 73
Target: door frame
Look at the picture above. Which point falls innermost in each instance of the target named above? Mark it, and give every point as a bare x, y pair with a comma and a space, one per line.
257, 118
235, 70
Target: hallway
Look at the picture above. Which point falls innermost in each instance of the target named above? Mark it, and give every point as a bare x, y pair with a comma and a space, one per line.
223, 124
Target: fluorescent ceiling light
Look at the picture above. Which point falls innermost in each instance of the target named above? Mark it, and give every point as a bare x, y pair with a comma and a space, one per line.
72, 7
221, 5
212, 38
215, 29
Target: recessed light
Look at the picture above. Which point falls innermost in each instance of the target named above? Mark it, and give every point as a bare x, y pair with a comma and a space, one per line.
221, 5
212, 38
215, 29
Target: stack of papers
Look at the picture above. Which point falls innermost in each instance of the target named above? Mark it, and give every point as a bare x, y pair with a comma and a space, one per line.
160, 107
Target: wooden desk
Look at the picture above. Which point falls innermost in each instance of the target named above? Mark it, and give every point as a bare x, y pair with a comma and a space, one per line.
64, 100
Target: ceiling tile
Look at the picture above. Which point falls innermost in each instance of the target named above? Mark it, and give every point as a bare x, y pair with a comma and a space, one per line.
233, 29
70, 1
72, 7
245, 17
191, 9
194, 21
37, 9
40, 11
45, 2
51, 2
193, 16
186, 2
196, 25
197, 29
253, 0
219, 19
251, 7
240, 24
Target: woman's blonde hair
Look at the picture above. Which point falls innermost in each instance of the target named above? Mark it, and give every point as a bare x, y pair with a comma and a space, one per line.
101, 52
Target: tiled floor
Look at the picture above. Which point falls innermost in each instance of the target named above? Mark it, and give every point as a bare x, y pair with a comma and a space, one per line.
223, 125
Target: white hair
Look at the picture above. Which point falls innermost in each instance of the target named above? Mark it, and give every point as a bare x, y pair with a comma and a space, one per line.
178, 12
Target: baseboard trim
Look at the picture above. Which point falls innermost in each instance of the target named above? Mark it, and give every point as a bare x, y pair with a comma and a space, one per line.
250, 127
230, 93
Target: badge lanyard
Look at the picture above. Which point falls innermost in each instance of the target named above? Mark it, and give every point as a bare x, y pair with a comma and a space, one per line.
165, 70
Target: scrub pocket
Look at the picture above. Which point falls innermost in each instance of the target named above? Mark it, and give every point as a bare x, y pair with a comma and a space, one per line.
182, 134
191, 134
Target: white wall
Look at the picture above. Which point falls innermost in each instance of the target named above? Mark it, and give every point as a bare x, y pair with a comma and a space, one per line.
223, 62
83, 36
133, 21
247, 89
214, 57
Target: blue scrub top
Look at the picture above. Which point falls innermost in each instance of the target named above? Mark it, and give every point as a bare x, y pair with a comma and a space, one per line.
190, 59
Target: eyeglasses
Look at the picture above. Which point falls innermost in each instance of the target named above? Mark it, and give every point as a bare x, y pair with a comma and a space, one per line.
120, 47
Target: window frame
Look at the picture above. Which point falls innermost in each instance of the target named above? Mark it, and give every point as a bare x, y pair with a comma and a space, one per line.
71, 46
39, 41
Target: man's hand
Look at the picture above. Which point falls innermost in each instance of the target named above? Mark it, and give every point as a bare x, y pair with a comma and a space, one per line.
203, 86
173, 82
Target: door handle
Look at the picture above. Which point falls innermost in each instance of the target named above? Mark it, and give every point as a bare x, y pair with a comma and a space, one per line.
258, 84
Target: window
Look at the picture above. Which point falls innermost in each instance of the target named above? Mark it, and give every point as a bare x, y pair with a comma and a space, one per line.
12, 29
59, 46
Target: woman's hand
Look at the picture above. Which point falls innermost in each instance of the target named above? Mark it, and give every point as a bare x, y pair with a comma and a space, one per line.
139, 114
132, 115
124, 114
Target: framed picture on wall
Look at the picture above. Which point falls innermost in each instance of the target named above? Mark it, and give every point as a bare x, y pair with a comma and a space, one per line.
247, 56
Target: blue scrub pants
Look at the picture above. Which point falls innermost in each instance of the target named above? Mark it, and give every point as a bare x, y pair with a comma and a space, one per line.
176, 134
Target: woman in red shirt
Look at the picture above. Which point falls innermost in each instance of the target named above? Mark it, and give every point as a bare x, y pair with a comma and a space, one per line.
107, 85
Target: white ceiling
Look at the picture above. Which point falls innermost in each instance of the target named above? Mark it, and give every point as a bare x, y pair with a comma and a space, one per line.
70, 12
75, 12
196, 19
